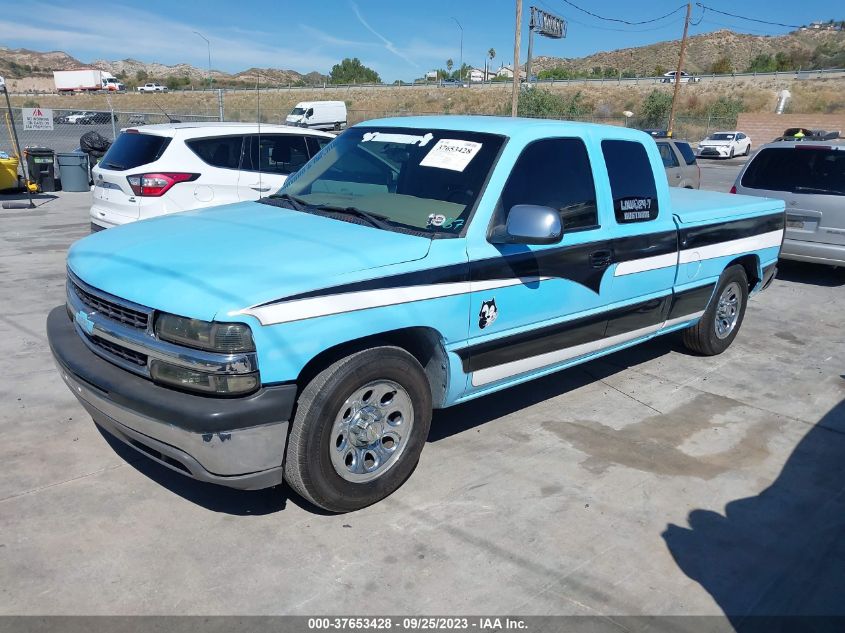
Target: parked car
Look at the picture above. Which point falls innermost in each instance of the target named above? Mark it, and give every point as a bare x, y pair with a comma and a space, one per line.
683, 77
75, 118
810, 179
93, 118
416, 263
179, 166
318, 115
724, 145
806, 134
152, 87
682, 169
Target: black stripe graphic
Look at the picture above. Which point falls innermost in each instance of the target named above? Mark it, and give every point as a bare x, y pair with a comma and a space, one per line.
690, 301
567, 262
563, 335
698, 236
584, 330
571, 263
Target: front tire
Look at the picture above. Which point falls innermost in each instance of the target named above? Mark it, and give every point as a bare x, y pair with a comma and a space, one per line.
748, 150
720, 323
359, 429
732, 153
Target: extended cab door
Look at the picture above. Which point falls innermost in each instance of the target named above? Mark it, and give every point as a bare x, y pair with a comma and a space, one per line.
268, 160
644, 238
533, 306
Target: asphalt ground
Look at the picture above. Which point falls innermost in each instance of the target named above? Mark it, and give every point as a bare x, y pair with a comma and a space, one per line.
651, 481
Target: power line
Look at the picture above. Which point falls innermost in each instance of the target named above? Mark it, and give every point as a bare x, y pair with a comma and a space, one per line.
742, 17
600, 17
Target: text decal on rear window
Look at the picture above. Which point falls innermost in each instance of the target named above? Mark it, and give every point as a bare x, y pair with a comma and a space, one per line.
635, 209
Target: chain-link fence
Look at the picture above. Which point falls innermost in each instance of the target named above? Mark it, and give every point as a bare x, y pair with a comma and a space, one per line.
107, 116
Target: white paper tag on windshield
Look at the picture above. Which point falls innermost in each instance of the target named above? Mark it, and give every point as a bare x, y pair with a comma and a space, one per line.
451, 154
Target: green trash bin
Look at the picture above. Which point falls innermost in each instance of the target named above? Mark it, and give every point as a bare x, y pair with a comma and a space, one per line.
73, 170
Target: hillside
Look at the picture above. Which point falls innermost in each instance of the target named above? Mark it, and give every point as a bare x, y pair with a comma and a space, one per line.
705, 50
32, 70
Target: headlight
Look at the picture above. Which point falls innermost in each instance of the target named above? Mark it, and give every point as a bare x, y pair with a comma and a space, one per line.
219, 384
226, 338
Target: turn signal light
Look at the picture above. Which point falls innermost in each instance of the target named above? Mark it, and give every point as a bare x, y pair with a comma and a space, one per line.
154, 185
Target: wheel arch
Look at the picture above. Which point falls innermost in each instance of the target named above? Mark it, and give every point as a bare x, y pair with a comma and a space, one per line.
423, 343
753, 269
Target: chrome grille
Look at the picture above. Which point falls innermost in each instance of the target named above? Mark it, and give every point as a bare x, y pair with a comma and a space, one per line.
125, 353
112, 310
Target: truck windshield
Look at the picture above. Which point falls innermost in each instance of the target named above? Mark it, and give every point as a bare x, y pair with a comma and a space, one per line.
298, 111
720, 137
413, 179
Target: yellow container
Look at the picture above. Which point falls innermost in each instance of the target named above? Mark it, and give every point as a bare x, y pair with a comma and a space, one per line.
8, 173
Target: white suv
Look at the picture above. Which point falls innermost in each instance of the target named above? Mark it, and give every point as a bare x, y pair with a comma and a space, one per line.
175, 167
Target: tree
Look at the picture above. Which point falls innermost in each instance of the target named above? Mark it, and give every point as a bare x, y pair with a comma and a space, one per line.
352, 71
659, 70
141, 76
655, 109
722, 66
449, 64
491, 54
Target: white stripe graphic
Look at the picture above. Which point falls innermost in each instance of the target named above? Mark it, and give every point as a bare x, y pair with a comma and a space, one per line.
646, 263
734, 247
506, 370
310, 308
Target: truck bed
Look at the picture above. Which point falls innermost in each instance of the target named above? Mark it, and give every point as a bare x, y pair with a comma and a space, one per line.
691, 206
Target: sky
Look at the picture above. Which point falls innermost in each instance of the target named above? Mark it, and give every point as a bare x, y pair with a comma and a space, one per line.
400, 39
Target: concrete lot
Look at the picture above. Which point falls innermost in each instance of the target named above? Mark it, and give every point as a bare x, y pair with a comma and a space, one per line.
650, 482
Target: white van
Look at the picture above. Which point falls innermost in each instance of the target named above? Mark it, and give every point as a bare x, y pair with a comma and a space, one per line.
319, 115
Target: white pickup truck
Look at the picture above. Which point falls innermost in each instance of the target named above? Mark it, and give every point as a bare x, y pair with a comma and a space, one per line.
152, 87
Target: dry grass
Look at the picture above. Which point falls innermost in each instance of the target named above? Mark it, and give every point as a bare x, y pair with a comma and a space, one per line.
603, 100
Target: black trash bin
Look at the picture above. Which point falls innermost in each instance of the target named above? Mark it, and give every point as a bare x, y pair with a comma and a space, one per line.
41, 164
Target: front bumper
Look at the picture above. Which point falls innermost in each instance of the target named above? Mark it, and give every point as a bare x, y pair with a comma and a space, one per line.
714, 152
235, 442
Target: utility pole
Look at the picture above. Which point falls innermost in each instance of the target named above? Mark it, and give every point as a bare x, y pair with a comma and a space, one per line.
671, 130
516, 40
461, 67
208, 44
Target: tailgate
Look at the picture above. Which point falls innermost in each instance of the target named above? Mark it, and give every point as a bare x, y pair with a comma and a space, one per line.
112, 194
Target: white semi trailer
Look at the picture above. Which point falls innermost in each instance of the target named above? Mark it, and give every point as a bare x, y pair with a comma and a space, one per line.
86, 80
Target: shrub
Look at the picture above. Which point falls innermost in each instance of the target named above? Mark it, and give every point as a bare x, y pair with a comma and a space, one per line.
655, 109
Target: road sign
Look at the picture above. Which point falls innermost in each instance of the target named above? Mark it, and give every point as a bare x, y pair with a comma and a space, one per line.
37, 119
547, 24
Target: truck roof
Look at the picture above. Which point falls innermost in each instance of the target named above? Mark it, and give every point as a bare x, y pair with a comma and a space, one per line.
510, 126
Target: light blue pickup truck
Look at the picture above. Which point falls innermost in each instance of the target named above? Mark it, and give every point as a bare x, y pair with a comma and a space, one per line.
412, 264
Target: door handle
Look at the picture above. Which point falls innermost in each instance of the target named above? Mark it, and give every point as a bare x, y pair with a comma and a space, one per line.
601, 259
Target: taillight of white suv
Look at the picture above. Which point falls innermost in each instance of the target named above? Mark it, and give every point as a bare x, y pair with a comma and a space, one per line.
157, 184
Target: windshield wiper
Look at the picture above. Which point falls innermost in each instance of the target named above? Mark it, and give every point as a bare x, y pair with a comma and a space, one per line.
298, 204
111, 165
819, 190
372, 220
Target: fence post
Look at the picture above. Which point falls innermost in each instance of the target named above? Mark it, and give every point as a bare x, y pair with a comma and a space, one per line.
220, 104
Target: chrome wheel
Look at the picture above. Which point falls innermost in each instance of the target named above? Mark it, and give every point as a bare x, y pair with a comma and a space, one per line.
371, 431
728, 309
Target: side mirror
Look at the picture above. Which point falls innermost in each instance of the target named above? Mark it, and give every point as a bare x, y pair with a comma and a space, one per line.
529, 224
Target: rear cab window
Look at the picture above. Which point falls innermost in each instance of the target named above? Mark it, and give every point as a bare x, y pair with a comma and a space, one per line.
631, 181
686, 152
133, 149
799, 169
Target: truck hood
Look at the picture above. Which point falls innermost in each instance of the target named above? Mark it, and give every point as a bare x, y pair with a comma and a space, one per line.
215, 261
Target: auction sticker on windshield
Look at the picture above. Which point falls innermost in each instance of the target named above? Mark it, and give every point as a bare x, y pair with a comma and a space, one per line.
451, 154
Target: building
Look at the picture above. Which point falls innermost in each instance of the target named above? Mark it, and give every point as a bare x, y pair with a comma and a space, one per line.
481, 74
507, 71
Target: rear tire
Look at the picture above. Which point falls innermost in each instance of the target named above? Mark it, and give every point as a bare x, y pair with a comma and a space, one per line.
720, 323
359, 429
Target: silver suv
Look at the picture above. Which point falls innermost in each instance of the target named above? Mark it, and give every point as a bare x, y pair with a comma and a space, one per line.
810, 178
